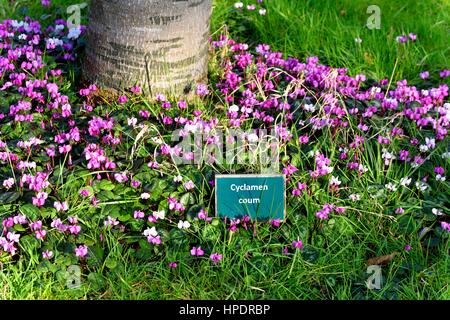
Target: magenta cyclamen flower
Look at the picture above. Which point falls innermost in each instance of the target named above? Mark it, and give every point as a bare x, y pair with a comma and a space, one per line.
84, 193
297, 244
173, 265
197, 251
275, 222
122, 99
81, 251
203, 215
402, 39
439, 170
215, 257
445, 226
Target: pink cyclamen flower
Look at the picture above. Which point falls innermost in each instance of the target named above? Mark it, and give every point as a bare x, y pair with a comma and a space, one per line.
135, 183
197, 251
412, 36
445, 226
136, 89
189, 185
173, 265
182, 104
215, 257
46, 3
81, 251
303, 139
37, 225
122, 99
60, 206
202, 89
424, 75
84, 193
138, 214
40, 234
47, 254
275, 222
399, 211
8, 183
297, 244
111, 221
203, 215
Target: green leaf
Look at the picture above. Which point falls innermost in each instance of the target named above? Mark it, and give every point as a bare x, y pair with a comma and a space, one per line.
210, 233
96, 280
106, 185
8, 197
19, 228
110, 263
187, 199
30, 211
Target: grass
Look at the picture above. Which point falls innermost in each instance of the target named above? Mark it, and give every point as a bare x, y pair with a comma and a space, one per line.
327, 29
333, 264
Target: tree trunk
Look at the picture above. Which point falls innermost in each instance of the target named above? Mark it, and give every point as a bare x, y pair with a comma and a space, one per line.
161, 45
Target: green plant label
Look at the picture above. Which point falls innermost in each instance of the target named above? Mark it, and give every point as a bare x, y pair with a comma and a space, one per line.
260, 196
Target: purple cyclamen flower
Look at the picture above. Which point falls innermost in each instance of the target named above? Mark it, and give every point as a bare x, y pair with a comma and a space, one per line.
402, 39
297, 244
215, 257
444, 73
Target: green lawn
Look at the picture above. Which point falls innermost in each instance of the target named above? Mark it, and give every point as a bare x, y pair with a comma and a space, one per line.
334, 260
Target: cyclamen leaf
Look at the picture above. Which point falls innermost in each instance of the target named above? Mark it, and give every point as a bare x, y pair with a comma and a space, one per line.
8, 197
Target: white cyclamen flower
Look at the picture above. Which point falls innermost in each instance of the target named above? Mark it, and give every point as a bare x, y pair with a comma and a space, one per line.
405, 181
183, 224
335, 181
391, 187
151, 232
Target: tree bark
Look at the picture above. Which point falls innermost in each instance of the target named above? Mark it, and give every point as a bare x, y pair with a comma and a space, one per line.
161, 45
